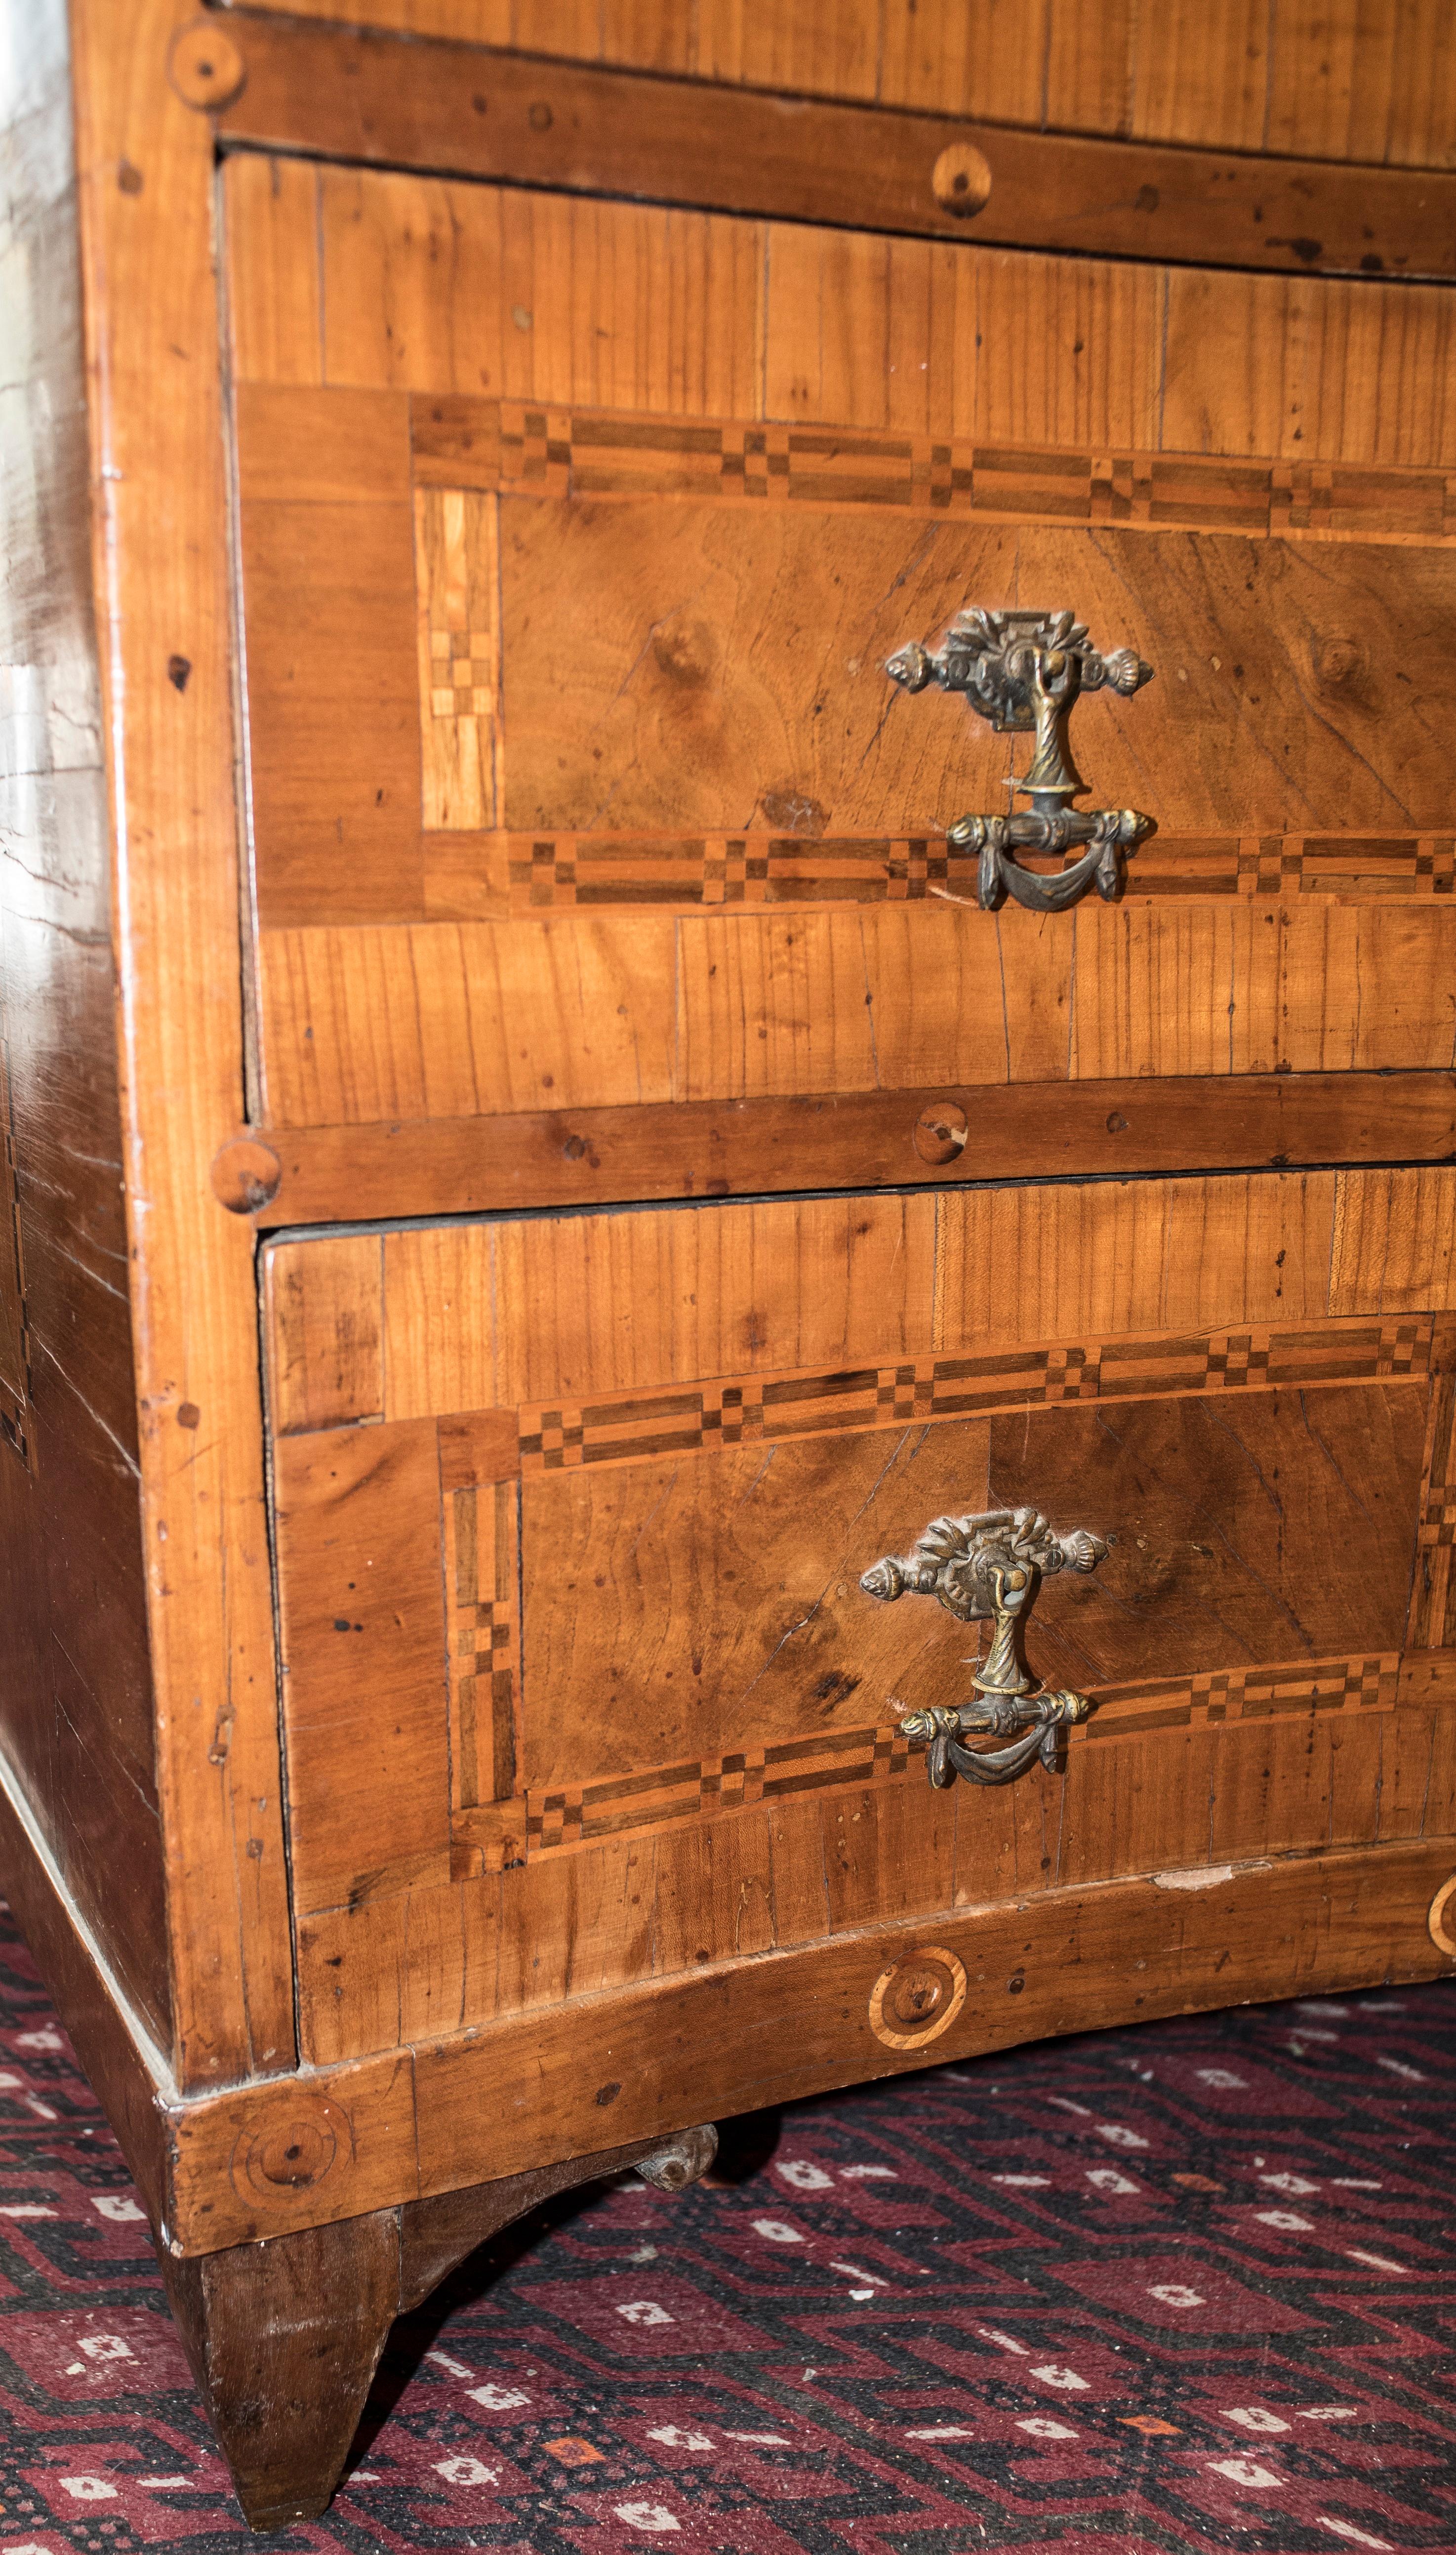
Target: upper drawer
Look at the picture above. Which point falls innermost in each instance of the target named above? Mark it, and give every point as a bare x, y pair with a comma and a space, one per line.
571, 1515
575, 537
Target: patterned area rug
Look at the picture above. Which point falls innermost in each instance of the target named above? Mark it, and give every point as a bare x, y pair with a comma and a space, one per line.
1186, 2288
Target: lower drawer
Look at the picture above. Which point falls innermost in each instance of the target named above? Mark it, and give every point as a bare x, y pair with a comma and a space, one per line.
581, 1686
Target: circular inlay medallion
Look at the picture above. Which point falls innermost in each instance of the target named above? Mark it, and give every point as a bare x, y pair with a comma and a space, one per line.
1442, 1918
916, 2000
289, 2146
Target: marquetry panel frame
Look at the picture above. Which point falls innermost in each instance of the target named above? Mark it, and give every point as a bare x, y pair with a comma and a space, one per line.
498, 1824
465, 451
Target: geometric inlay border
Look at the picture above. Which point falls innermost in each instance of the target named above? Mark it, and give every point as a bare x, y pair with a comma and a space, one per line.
633, 1428
712, 873
562, 1817
530, 449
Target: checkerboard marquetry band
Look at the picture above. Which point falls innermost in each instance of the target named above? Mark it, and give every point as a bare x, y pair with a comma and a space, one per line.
481, 1546
605, 872
851, 1760
530, 449
633, 1428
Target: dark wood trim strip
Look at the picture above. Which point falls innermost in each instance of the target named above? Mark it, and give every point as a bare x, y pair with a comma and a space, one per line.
529, 448
466, 111
514, 2096
707, 1149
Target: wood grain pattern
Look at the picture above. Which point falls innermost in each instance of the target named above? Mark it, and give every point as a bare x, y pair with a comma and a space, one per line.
1231, 1513
273, 298
366, 1026
697, 699
643, 1300
109, 2039
1342, 82
1432, 1618
611, 133
362, 1636
1146, 1255
322, 1307
487, 292
161, 562
75, 1693
776, 1635
765, 1543
327, 541
695, 703
688, 1649
561, 1157
622, 1300
285, 2339
779, 2025
432, 286
609, 1883
1394, 1233
1312, 374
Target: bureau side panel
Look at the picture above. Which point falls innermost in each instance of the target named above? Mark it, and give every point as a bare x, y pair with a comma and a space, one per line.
76, 1719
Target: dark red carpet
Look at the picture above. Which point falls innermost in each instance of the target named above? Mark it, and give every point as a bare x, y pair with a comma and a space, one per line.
1186, 2287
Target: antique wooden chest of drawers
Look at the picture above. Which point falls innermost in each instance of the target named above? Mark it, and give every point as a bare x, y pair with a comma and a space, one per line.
712, 1382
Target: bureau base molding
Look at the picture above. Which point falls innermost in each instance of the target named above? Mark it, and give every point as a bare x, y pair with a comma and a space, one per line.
532, 2095
726, 1149
515, 2097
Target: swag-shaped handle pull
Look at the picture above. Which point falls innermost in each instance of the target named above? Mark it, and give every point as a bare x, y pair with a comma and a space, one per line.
989, 1568
1023, 671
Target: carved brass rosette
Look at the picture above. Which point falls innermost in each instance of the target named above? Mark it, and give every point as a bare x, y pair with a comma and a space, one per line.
989, 1568
1023, 671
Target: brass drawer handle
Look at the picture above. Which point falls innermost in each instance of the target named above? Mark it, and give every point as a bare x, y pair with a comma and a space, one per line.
1025, 671
989, 1568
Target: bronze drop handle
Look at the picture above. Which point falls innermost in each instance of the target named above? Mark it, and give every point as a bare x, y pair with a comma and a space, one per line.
1025, 671
982, 1568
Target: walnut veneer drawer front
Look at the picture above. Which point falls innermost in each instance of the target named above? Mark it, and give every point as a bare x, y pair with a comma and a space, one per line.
575, 543
572, 1515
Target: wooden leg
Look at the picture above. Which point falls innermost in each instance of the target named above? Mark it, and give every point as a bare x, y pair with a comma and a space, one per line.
285, 2336
284, 2339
